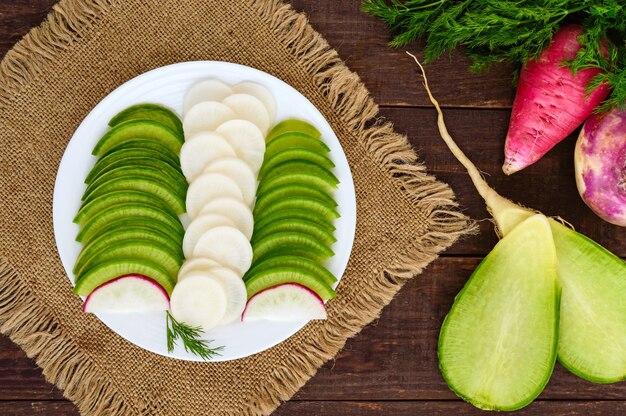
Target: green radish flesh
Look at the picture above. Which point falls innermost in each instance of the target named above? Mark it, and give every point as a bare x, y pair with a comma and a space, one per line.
290, 242
126, 156
133, 129
293, 125
172, 178
294, 214
152, 112
142, 144
264, 279
295, 153
298, 225
298, 262
107, 200
276, 194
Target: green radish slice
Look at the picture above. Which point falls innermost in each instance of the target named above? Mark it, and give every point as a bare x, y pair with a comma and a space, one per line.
207, 90
199, 300
261, 93
235, 210
152, 112
226, 245
208, 187
294, 214
293, 126
198, 152
150, 162
315, 206
289, 190
297, 166
205, 117
295, 139
128, 156
121, 224
200, 225
143, 145
265, 279
240, 172
296, 262
295, 153
133, 129
110, 199
497, 345
128, 294
246, 139
196, 264
298, 225
248, 107
290, 242
315, 178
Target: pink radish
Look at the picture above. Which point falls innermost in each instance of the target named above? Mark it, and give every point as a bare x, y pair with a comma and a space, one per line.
285, 302
130, 293
550, 103
600, 162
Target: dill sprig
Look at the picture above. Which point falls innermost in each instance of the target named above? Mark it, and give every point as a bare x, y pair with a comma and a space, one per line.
516, 31
190, 336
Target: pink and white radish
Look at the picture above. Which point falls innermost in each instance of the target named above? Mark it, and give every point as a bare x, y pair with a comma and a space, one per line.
550, 103
600, 163
127, 294
285, 302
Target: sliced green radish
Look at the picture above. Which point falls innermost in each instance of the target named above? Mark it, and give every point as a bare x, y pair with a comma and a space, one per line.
107, 271
128, 294
129, 156
248, 107
293, 125
290, 190
290, 242
295, 153
296, 262
235, 210
298, 225
142, 144
240, 172
236, 295
151, 163
207, 90
285, 302
259, 91
298, 166
107, 200
152, 112
226, 245
133, 129
316, 179
200, 225
265, 279
199, 301
497, 346
246, 139
315, 206
205, 117
208, 187
200, 151
295, 140
196, 264
294, 214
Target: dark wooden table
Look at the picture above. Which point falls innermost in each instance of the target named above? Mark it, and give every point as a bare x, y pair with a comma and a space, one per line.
391, 367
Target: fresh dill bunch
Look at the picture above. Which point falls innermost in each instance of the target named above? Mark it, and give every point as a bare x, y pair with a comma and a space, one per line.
190, 337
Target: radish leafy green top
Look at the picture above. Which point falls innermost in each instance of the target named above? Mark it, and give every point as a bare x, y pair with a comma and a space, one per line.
517, 31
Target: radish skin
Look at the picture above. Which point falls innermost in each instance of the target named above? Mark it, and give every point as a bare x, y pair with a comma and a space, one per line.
550, 102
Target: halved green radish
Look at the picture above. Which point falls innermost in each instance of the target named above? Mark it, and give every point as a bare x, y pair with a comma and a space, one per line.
128, 294
248, 107
206, 116
107, 200
200, 225
246, 139
196, 264
265, 279
133, 129
298, 225
236, 295
208, 187
128, 157
295, 140
290, 242
497, 346
151, 162
234, 209
199, 300
298, 166
289, 190
294, 214
107, 271
296, 262
172, 177
293, 125
295, 153
240, 172
315, 206
285, 302
146, 145
259, 91
207, 90
152, 112
226, 245
200, 151
317, 179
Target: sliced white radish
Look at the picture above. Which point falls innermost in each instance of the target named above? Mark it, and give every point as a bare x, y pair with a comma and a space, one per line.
199, 300
207, 90
259, 91
248, 107
285, 302
247, 140
236, 294
207, 187
200, 225
196, 264
206, 116
236, 210
240, 172
126, 294
202, 149
227, 246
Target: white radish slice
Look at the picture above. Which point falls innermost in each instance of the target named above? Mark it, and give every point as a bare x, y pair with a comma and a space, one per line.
285, 302
207, 187
200, 150
246, 139
240, 172
259, 91
237, 211
200, 225
207, 90
227, 246
199, 300
196, 264
128, 294
248, 107
206, 116
236, 294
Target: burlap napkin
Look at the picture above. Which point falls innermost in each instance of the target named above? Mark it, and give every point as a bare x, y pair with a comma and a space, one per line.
61, 70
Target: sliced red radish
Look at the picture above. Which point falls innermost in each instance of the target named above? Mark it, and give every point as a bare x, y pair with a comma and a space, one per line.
200, 225
259, 91
240, 172
200, 150
286, 302
207, 90
236, 210
247, 140
248, 107
195, 264
199, 300
227, 246
235, 293
206, 116
207, 187
127, 294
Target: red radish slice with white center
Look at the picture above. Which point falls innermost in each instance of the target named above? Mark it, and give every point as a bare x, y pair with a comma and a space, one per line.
200, 150
259, 91
246, 139
240, 172
227, 246
248, 107
207, 187
200, 225
236, 294
286, 302
237, 211
199, 301
196, 264
128, 294
207, 90
206, 116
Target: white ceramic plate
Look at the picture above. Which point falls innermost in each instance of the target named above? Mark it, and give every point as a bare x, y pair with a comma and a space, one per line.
167, 86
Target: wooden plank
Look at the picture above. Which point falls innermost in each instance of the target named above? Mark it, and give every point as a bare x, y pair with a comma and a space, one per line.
28, 408
18, 17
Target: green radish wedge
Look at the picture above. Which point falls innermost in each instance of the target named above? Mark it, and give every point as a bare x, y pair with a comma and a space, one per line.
298, 262
497, 346
315, 178
133, 129
103, 202
295, 153
298, 225
291, 140
290, 242
170, 177
278, 193
294, 214
277, 276
138, 160
298, 166
314, 206
293, 125
152, 112
98, 231
143, 144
